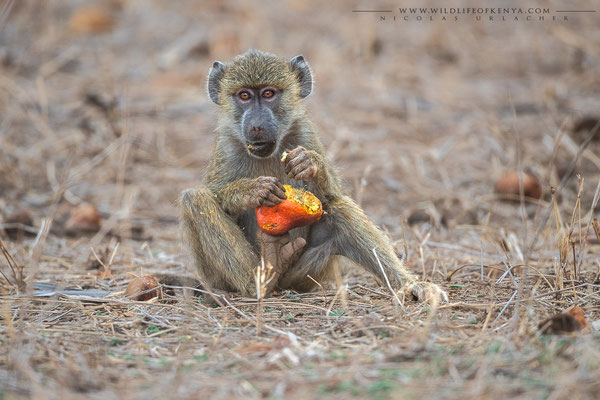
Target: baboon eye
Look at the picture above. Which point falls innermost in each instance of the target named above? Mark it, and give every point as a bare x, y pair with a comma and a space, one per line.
244, 95
268, 93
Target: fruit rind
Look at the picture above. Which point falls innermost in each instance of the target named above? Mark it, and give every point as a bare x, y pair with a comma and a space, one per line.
301, 208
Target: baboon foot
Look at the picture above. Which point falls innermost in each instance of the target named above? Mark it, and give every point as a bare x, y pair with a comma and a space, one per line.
279, 252
426, 291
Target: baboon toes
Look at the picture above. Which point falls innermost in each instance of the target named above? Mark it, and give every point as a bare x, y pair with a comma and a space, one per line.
292, 250
426, 291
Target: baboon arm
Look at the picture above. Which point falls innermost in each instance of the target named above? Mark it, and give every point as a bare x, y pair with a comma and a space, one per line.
326, 182
234, 196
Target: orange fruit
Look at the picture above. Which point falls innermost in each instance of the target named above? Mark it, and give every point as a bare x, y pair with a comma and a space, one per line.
301, 208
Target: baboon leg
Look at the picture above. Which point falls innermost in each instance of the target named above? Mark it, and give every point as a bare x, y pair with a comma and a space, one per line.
223, 256
346, 231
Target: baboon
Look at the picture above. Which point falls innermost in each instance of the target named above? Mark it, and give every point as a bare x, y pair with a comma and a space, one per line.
261, 116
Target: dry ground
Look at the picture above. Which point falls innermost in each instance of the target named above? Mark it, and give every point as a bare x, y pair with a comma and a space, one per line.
419, 116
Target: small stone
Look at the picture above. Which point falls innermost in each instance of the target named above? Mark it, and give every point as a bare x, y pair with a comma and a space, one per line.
85, 218
91, 19
508, 185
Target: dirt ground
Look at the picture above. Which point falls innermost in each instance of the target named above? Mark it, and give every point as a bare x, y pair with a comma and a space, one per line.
104, 102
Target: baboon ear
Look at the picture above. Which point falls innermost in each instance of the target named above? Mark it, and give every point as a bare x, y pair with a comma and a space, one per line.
302, 70
214, 80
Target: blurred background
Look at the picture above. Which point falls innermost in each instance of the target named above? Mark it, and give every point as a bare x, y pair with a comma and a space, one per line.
411, 111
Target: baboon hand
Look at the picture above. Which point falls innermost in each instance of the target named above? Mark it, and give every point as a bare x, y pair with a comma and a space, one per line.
426, 291
301, 164
266, 191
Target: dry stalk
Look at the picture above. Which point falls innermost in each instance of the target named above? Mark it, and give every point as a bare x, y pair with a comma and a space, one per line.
7, 317
481, 245
491, 307
561, 241
434, 304
16, 271
328, 312
421, 253
387, 282
576, 213
263, 275
589, 224
404, 240
321, 287
596, 226
107, 271
40, 240
561, 185
558, 275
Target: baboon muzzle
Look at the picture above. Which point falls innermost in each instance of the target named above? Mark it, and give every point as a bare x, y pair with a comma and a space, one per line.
261, 148
260, 132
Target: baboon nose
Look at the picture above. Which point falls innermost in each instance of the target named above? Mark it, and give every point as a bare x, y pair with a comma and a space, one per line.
257, 129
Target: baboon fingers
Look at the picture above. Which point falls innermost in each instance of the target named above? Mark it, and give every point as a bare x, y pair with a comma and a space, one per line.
303, 171
279, 191
297, 169
294, 152
266, 198
267, 186
295, 157
269, 203
271, 198
307, 173
293, 162
279, 186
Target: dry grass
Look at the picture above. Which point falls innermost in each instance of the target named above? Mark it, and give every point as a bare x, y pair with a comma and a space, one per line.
418, 117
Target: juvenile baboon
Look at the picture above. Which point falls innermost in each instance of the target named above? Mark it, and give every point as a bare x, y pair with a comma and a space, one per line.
261, 116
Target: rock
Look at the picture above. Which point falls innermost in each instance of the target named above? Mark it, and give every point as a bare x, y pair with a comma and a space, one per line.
508, 186
571, 320
419, 216
85, 218
91, 19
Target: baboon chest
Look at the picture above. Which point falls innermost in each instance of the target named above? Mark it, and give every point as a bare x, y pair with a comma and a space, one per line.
247, 219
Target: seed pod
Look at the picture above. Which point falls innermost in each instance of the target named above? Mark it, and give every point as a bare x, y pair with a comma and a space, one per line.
85, 218
138, 285
90, 20
301, 208
509, 185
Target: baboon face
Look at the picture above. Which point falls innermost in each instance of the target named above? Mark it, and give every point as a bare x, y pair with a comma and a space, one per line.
259, 124
259, 95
